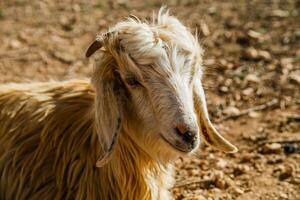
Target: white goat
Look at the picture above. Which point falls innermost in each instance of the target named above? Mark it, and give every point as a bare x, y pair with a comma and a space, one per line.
117, 137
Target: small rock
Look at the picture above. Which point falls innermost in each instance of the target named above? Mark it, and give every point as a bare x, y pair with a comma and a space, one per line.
194, 172
280, 13
238, 190
254, 34
15, 44
264, 55
228, 82
76, 8
212, 10
248, 91
251, 53
204, 28
272, 148
223, 62
224, 89
286, 63
221, 164
295, 78
209, 62
231, 110
296, 179
252, 78
221, 184
254, 114
283, 195
286, 171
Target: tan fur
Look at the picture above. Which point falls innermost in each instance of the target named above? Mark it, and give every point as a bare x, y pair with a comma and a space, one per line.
49, 147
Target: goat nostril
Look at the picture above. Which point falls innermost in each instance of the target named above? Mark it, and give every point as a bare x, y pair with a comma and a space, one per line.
189, 137
182, 128
186, 135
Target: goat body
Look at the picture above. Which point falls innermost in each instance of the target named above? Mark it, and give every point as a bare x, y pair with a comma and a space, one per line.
48, 148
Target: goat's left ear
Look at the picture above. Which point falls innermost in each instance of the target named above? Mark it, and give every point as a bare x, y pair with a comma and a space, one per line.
107, 116
208, 132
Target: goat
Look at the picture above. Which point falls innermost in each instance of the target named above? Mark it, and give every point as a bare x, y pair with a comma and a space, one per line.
116, 137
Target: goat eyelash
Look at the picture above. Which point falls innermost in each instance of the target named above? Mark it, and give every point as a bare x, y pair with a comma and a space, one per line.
132, 81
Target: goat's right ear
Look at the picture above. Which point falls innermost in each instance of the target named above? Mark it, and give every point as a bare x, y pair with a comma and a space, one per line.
208, 132
97, 44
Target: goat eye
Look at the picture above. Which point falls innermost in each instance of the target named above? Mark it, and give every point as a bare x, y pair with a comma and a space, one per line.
132, 81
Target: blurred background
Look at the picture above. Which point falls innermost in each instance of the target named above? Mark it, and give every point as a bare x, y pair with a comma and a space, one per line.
252, 80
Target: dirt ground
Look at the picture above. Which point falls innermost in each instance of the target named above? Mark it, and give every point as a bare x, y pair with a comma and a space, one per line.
252, 60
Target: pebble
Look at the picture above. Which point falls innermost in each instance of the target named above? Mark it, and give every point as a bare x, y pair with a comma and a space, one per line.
272, 148
221, 184
283, 195
204, 28
15, 44
238, 190
224, 89
254, 114
286, 171
254, 34
252, 78
248, 91
295, 78
264, 55
231, 110
253, 54
221, 164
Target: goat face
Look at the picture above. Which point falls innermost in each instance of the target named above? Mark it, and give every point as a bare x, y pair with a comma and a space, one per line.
154, 73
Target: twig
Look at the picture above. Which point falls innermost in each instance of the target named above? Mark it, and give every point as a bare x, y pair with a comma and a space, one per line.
293, 118
247, 111
280, 141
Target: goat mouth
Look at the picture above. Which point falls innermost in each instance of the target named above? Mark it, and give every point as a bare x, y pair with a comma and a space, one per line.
177, 147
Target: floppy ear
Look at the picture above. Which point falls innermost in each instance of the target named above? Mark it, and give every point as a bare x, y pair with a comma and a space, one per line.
208, 132
107, 118
107, 104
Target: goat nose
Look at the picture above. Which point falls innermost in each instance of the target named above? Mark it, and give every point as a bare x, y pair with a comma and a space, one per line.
183, 131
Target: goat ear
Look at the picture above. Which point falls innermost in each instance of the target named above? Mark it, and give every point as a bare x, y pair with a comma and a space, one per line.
107, 119
208, 132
